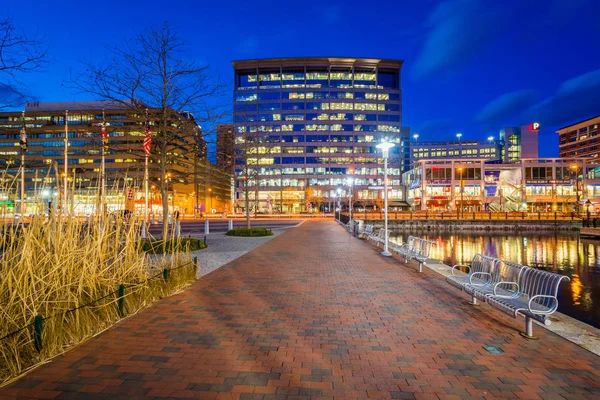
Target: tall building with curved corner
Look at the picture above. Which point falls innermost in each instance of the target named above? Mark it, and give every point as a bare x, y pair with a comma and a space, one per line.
304, 126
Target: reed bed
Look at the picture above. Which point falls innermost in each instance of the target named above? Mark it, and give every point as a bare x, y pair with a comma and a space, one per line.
70, 274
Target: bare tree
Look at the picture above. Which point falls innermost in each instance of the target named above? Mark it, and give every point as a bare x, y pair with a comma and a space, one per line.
151, 72
19, 55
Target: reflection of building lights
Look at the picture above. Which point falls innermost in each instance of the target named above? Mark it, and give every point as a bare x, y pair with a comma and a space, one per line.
576, 287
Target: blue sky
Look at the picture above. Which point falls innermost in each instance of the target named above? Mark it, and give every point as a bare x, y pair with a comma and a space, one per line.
471, 66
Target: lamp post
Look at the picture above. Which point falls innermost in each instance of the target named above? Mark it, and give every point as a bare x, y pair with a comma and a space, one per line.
210, 195
588, 203
575, 169
385, 147
462, 209
339, 206
416, 137
350, 181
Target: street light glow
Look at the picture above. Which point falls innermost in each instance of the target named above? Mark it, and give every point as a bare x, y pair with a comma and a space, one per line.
459, 135
385, 147
491, 138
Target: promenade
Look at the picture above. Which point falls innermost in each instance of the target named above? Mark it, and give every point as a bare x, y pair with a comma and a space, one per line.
315, 313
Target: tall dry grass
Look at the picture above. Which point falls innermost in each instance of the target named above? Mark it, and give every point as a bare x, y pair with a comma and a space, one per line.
51, 267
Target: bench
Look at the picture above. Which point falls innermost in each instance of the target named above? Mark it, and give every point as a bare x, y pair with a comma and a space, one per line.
380, 237
478, 272
510, 287
374, 237
535, 298
368, 231
416, 249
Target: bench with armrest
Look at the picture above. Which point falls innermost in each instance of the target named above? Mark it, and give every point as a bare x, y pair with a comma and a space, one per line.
415, 249
368, 231
407, 247
479, 273
374, 237
504, 280
535, 298
510, 287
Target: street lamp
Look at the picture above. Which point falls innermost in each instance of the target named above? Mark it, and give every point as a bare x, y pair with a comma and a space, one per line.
459, 135
462, 209
588, 203
491, 139
350, 181
339, 195
416, 136
210, 195
385, 147
575, 168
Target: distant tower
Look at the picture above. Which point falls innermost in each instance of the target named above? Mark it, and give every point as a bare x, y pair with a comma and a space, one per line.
225, 148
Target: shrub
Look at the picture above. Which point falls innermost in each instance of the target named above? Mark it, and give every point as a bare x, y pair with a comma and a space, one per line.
159, 246
252, 232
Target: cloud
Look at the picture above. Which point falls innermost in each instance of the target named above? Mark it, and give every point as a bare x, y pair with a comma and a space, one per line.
459, 29
506, 107
432, 128
575, 99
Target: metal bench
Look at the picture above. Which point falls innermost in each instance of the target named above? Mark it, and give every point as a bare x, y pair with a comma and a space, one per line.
407, 247
504, 280
380, 238
368, 231
421, 253
479, 272
536, 298
510, 287
373, 237
415, 249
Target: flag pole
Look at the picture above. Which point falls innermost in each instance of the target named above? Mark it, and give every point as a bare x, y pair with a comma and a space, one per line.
23, 150
146, 146
104, 136
65, 188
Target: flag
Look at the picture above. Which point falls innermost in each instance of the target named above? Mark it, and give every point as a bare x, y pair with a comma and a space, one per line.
103, 133
147, 138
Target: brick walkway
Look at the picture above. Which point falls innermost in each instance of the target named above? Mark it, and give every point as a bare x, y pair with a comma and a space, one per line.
316, 314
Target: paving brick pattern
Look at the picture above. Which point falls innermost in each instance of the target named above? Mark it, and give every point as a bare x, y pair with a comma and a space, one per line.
316, 314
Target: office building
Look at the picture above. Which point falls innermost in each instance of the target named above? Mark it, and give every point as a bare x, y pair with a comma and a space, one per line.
312, 123
46, 125
446, 149
520, 142
225, 148
580, 139
513, 144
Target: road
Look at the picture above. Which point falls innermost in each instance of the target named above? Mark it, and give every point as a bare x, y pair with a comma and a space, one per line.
220, 225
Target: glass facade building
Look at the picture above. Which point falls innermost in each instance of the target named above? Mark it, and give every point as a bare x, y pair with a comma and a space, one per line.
308, 124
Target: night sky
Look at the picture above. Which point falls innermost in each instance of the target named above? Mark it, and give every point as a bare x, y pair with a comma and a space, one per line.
471, 66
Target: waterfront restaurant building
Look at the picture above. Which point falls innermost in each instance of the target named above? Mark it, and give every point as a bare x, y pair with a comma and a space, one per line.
306, 125
538, 184
193, 183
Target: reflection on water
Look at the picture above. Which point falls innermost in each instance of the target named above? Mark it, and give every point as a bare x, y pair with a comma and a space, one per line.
563, 253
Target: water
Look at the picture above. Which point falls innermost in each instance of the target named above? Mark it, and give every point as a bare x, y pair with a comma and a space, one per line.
562, 253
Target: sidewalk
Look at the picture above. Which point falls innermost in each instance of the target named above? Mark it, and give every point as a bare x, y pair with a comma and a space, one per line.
315, 313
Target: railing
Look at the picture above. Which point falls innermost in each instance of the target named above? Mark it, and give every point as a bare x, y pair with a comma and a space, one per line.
467, 216
117, 295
